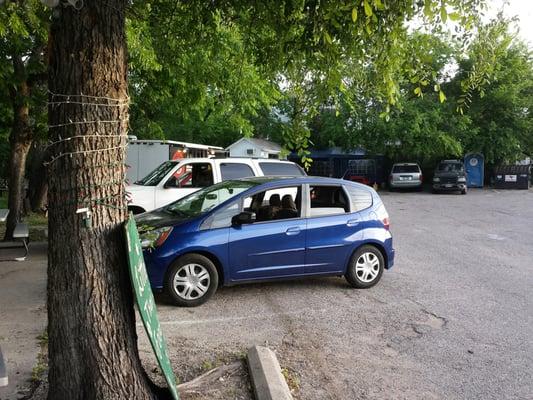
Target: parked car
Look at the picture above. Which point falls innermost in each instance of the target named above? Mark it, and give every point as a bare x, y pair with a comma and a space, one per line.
450, 176
405, 176
265, 228
173, 180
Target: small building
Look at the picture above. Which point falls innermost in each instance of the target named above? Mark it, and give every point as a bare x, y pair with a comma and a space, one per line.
254, 147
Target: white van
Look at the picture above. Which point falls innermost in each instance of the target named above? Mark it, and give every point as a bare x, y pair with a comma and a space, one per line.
173, 180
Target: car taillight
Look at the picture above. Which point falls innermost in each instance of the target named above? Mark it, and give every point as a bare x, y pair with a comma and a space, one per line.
383, 216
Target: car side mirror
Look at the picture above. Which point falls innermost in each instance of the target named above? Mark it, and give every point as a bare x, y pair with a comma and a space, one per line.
245, 217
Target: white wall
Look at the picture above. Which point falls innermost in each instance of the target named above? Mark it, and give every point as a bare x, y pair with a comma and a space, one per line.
240, 150
144, 158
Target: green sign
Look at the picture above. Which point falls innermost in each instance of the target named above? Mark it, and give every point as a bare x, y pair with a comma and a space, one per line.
146, 303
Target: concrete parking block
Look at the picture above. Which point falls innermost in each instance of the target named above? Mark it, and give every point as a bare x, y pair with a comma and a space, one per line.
267, 379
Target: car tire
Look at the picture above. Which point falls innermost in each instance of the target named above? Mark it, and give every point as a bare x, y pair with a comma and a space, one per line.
365, 267
191, 280
434, 191
463, 191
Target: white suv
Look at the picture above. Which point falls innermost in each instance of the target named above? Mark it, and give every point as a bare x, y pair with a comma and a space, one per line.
173, 180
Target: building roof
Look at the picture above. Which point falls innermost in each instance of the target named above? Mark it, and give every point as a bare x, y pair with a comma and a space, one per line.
134, 140
260, 143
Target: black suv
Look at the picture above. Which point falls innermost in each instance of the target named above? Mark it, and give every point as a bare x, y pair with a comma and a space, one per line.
449, 176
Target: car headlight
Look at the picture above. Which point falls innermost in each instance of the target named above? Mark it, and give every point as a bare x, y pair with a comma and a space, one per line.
436, 179
461, 179
155, 237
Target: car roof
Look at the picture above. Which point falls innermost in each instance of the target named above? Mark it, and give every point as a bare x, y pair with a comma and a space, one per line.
233, 159
406, 163
298, 180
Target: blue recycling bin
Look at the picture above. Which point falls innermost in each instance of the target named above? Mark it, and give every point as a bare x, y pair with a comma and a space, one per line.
474, 167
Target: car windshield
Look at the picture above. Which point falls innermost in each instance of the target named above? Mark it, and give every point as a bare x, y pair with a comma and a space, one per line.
154, 177
204, 200
450, 167
401, 169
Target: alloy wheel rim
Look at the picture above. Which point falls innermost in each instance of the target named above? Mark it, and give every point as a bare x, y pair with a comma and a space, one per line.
367, 267
191, 281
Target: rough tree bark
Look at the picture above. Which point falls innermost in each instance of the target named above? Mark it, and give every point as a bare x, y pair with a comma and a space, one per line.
91, 322
20, 140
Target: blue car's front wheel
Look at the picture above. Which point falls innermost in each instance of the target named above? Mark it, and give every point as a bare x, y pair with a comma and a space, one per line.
191, 280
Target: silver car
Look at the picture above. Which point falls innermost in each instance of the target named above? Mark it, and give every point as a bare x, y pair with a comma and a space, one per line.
405, 176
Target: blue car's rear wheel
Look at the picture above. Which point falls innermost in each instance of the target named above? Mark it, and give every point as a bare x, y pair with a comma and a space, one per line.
365, 268
191, 280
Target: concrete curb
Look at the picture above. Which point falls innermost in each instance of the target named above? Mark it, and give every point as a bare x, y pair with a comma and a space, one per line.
267, 379
3, 371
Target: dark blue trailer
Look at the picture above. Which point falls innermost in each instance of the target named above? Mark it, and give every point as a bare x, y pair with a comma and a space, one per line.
335, 165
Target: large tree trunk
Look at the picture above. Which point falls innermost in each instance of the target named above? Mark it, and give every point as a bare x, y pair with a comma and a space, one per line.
20, 142
91, 322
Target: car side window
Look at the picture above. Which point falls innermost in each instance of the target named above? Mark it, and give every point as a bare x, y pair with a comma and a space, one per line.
360, 199
275, 204
280, 169
194, 175
235, 171
328, 200
222, 218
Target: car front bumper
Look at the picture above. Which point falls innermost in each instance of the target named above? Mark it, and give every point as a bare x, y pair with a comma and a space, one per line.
449, 186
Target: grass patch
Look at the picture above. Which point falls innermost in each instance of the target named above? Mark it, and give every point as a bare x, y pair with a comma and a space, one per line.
36, 219
292, 380
43, 338
37, 222
41, 365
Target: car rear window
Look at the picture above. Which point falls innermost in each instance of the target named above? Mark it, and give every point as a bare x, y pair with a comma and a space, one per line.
359, 198
235, 171
280, 169
403, 169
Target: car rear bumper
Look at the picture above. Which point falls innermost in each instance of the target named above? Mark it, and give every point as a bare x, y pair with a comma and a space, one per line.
405, 184
390, 259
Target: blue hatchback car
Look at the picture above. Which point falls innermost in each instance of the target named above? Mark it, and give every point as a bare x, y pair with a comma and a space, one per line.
265, 228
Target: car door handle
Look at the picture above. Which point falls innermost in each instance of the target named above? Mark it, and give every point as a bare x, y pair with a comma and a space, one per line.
352, 222
293, 231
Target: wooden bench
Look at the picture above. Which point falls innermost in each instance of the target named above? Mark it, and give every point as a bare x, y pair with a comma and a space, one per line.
22, 232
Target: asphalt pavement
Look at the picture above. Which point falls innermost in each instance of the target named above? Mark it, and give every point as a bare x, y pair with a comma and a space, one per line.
452, 320
22, 315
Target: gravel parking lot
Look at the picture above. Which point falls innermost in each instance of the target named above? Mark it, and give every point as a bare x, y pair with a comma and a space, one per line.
452, 320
